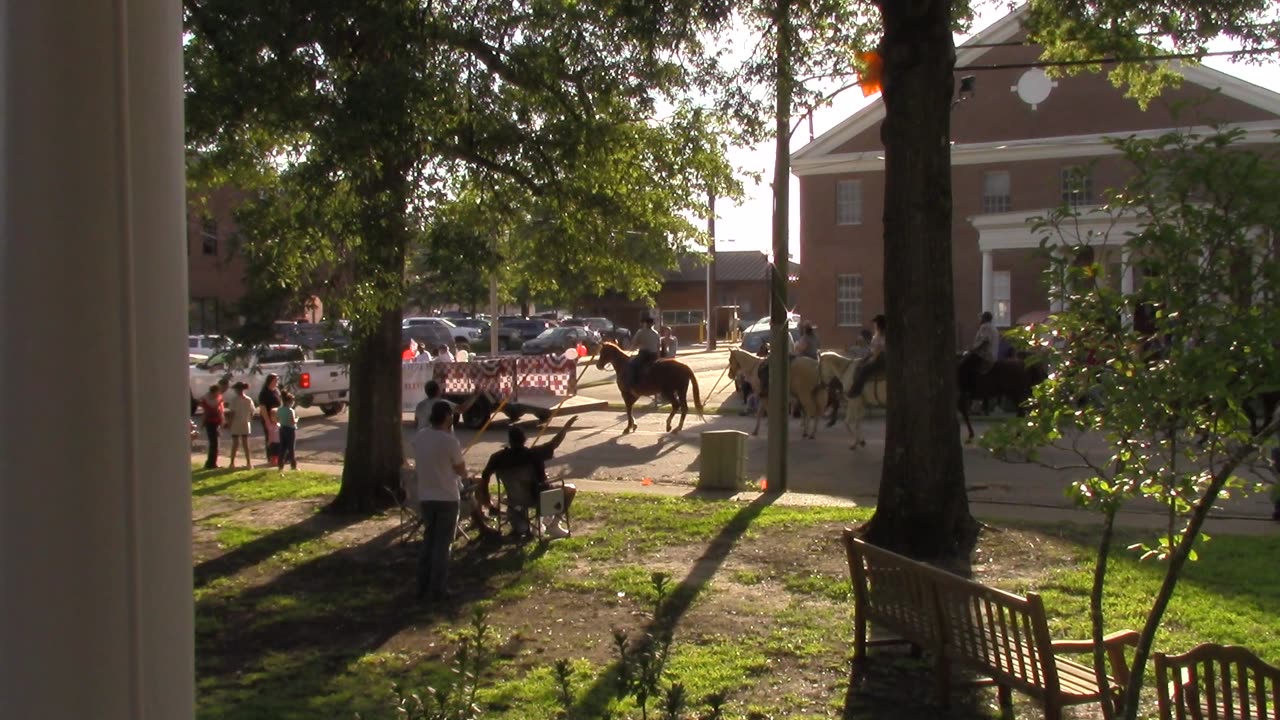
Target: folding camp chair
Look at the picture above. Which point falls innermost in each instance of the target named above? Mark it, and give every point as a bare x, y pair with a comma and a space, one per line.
411, 522
520, 501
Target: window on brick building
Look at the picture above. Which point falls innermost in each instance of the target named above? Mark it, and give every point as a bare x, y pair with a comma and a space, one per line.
848, 202
849, 300
1001, 299
209, 236
1077, 186
682, 317
995, 192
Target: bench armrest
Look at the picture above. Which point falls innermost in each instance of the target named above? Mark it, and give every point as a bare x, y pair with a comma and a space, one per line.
1114, 644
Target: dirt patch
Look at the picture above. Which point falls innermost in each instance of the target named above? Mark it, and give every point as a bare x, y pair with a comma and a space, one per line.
778, 594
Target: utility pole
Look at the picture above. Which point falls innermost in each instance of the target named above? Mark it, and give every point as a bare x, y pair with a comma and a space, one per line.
711, 272
779, 358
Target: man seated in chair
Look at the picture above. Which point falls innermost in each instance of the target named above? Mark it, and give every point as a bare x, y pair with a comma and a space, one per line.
516, 456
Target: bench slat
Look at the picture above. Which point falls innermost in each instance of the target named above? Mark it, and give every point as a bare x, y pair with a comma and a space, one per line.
985, 629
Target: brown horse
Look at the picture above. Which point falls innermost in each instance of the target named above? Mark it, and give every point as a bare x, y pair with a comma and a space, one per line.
1012, 378
667, 379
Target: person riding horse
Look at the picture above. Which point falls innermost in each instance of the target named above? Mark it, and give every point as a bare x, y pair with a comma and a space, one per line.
808, 345
647, 345
873, 362
982, 356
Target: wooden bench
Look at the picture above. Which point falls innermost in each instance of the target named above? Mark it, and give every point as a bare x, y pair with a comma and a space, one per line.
964, 624
1216, 682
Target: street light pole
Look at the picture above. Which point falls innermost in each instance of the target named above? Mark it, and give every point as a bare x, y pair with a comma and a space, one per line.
711, 271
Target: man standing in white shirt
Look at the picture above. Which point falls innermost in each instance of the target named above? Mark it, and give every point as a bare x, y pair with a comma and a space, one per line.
440, 469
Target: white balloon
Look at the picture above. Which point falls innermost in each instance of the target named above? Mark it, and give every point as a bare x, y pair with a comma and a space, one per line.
571, 353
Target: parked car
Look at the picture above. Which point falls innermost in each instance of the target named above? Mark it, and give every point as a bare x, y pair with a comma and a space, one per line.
200, 347
509, 338
474, 323
461, 335
759, 332
529, 329
558, 339
318, 335
604, 327
315, 382
433, 336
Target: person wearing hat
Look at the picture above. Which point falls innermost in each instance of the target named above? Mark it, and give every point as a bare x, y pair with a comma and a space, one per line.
517, 455
240, 412
808, 345
647, 343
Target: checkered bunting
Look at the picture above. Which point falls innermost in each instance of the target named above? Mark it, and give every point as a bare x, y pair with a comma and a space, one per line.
546, 375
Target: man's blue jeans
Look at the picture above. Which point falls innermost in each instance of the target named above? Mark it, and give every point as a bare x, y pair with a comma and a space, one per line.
440, 522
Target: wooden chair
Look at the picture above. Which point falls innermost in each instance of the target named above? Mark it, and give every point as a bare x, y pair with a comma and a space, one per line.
1216, 682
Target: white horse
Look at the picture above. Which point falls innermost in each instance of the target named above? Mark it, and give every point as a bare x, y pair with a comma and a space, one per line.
834, 366
806, 387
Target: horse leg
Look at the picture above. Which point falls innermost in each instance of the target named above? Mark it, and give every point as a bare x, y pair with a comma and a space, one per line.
760, 402
853, 420
684, 411
670, 416
630, 400
964, 413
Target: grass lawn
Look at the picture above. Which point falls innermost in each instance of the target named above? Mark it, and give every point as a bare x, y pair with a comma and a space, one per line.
304, 615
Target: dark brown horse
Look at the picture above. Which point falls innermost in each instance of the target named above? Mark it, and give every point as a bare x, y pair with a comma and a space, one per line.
1012, 378
667, 379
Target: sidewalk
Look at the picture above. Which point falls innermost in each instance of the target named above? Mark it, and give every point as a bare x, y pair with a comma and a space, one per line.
985, 510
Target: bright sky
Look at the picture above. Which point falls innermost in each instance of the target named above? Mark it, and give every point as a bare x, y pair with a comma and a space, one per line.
747, 227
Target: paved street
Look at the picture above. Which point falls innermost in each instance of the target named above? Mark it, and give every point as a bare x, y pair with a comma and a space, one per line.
596, 449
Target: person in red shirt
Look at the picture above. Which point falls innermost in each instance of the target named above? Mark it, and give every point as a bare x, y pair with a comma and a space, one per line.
214, 416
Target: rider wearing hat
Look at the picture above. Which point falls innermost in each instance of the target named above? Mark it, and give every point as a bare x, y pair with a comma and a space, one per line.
646, 343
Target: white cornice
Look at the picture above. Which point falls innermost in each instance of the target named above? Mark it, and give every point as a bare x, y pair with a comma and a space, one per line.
1017, 231
866, 118
1010, 151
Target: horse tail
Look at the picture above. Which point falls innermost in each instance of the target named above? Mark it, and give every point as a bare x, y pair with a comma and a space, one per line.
697, 397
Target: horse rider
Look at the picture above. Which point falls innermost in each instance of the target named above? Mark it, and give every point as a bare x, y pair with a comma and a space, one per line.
647, 345
808, 346
873, 362
982, 356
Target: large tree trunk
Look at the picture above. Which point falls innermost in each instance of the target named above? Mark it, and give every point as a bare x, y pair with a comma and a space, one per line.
922, 509
375, 445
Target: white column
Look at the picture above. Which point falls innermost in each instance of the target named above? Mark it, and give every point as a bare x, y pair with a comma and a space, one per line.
1056, 304
1126, 271
988, 280
95, 509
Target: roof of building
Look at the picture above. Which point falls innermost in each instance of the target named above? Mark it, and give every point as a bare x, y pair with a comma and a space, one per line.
810, 157
731, 266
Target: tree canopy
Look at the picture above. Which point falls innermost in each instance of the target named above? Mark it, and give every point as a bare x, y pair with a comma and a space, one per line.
350, 123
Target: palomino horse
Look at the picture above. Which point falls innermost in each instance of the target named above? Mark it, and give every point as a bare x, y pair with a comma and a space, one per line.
668, 379
1012, 378
835, 368
805, 387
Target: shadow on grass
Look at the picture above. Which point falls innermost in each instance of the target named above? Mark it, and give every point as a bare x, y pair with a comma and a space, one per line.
681, 598
297, 642
260, 549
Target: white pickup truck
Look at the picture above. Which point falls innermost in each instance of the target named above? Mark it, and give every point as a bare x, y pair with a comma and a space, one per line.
314, 382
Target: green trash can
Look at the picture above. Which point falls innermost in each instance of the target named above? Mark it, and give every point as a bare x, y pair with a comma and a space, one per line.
723, 461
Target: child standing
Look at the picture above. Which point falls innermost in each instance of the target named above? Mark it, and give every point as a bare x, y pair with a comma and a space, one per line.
240, 422
213, 409
288, 432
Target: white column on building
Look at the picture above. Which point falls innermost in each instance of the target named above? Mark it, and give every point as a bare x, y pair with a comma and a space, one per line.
988, 280
1056, 304
95, 510
1126, 271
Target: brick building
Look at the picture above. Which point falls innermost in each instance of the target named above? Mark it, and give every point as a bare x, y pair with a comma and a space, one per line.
215, 271
1022, 144
741, 287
